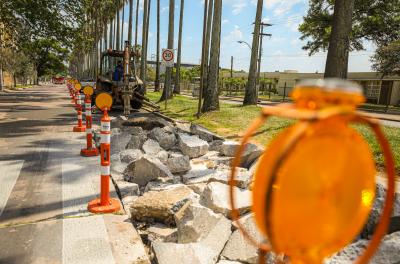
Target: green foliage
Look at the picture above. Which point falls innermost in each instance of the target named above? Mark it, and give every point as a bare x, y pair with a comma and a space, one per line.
235, 81
374, 20
387, 59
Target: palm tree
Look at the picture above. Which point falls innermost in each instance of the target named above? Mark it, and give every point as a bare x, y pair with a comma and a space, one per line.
168, 73
130, 21
207, 43
177, 88
211, 100
203, 55
157, 82
136, 23
118, 36
251, 96
339, 43
144, 44
122, 24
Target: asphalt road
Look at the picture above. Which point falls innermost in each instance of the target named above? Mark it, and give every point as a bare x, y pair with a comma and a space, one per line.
45, 185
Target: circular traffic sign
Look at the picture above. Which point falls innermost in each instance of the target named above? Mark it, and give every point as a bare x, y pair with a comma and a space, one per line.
78, 86
104, 101
88, 90
168, 55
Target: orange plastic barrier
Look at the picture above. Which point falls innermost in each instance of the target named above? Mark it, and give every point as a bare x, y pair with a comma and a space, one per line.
105, 204
80, 127
89, 151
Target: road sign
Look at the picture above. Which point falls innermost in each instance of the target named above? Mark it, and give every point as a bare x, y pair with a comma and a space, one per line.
104, 101
168, 57
88, 90
78, 86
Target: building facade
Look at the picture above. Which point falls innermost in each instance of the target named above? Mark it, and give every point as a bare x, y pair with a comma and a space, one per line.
377, 90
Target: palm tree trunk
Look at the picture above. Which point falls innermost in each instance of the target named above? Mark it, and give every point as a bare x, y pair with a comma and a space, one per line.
203, 55
157, 82
144, 44
147, 45
177, 88
118, 36
207, 45
122, 25
115, 33
339, 43
130, 21
211, 100
168, 72
251, 96
137, 20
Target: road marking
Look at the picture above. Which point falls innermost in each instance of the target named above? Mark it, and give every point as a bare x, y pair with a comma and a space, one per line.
9, 173
77, 186
85, 238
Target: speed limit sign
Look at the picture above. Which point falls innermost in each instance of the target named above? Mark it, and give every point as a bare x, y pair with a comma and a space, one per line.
168, 57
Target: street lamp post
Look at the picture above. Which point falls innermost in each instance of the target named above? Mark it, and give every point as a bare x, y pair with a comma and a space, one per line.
244, 42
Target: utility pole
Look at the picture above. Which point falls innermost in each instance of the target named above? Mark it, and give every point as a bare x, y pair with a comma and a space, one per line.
262, 35
231, 66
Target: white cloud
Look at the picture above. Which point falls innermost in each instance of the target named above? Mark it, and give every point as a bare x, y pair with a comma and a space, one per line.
235, 35
281, 7
238, 7
224, 21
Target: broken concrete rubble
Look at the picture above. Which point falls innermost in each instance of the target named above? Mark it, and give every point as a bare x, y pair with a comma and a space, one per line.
192, 146
151, 147
178, 163
161, 206
238, 248
146, 169
165, 139
195, 222
205, 251
119, 141
130, 155
216, 197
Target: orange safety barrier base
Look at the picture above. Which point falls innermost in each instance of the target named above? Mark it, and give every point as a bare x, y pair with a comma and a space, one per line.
90, 152
79, 129
96, 207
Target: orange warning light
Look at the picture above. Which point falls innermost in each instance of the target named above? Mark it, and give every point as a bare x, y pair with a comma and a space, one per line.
314, 186
104, 101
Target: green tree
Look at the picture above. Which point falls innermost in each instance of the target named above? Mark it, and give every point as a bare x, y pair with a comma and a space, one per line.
387, 59
47, 56
374, 20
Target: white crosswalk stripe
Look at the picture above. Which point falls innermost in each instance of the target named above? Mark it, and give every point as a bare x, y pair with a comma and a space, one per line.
9, 172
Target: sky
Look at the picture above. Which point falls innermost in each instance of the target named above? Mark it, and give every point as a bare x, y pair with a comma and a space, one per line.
282, 51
